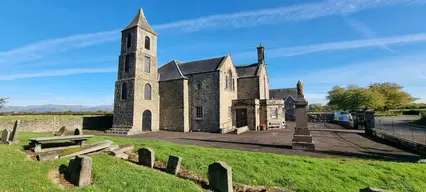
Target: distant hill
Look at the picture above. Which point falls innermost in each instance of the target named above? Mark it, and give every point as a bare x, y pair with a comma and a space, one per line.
55, 108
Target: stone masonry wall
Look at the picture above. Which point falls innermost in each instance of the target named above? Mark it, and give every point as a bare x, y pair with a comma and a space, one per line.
248, 88
208, 98
172, 111
52, 125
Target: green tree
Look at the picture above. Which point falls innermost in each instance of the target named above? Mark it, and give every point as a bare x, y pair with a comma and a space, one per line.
2, 102
393, 94
353, 98
317, 107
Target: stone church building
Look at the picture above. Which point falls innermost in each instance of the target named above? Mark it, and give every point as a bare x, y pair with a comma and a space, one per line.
209, 95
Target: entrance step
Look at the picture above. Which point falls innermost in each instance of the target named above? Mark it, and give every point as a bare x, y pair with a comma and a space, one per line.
118, 131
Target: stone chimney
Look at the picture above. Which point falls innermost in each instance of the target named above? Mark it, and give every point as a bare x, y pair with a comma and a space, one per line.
261, 54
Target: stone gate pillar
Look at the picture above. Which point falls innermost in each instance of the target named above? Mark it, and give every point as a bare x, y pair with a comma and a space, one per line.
302, 138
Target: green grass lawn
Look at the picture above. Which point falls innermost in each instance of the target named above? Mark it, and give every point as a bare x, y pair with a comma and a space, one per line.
12, 118
288, 172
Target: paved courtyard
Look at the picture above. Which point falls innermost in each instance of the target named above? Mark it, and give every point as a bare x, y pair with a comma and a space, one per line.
330, 141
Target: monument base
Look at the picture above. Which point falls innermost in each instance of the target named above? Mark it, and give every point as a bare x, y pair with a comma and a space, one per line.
303, 146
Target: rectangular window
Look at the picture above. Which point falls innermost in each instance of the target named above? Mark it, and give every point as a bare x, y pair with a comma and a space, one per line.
127, 63
274, 113
147, 64
229, 112
198, 112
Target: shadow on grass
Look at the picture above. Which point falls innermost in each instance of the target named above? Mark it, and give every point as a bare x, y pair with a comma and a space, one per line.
50, 145
373, 156
241, 143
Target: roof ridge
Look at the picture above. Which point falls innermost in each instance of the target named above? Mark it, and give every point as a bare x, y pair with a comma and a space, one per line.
246, 65
203, 59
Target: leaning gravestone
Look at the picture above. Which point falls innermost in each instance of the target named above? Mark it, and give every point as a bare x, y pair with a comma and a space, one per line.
15, 132
5, 135
220, 177
173, 165
62, 131
372, 189
79, 171
146, 157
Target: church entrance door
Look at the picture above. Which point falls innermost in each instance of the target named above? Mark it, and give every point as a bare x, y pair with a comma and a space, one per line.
241, 117
146, 120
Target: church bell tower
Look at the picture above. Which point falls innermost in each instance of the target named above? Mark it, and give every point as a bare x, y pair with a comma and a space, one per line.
136, 100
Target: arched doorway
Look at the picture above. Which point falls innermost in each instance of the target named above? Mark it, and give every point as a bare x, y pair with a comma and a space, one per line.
146, 120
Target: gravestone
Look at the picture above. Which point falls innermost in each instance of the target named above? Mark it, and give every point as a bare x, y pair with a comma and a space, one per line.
62, 131
5, 135
173, 164
220, 177
51, 155
79, 171
302, 138
372, 189
15, 130
78, 131
146, 157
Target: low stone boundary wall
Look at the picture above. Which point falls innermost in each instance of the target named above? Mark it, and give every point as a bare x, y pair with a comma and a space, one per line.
100, 123
417, 147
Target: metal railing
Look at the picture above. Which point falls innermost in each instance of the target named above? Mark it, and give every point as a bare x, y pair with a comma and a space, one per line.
402, 130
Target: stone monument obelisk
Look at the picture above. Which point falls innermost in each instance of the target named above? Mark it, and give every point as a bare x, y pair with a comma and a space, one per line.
302, 138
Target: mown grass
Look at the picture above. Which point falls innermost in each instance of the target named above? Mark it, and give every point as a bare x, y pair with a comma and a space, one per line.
12, 118
288, 172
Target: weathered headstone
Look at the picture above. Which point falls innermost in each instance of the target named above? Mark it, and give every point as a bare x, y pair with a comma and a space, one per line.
78, 131
5, 135
62, 131
372, 189
146, 157
173, 164
15, 130
302, 138
220, 177
90, 149
79, 171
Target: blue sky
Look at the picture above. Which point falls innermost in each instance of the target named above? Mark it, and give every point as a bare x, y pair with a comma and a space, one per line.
66, 52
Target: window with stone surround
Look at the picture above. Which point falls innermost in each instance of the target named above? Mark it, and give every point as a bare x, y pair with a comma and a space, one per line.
129, 40
147, 43
124, 91
127, 63
147, 64
274, 113
147, 95
226, 81
198, 112
198, 85
229, 112
233, 84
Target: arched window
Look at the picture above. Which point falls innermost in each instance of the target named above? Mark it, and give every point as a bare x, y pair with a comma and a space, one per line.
264, 87
147, 92
198, 85
129, 40
124, 91
147, 42
233, 84
226, 81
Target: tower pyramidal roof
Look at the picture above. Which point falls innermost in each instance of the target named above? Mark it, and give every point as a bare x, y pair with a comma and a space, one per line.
140, 21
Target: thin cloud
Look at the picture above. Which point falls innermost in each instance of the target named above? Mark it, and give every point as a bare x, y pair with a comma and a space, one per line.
234, 20
342, 45
365, 30
64, 72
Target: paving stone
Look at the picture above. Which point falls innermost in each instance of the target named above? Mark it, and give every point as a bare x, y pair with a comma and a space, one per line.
146, 157
62, 131
79, 171
220, 177
173, 164
47, 156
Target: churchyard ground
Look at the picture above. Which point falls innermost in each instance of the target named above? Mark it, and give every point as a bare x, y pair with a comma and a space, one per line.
300, 173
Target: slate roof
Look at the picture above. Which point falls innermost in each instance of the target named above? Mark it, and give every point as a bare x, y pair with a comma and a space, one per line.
247, 70
177, 70
283, 93
141, 22
201, 66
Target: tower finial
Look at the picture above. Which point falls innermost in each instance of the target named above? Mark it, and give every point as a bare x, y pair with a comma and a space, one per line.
261, 44
260, 54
